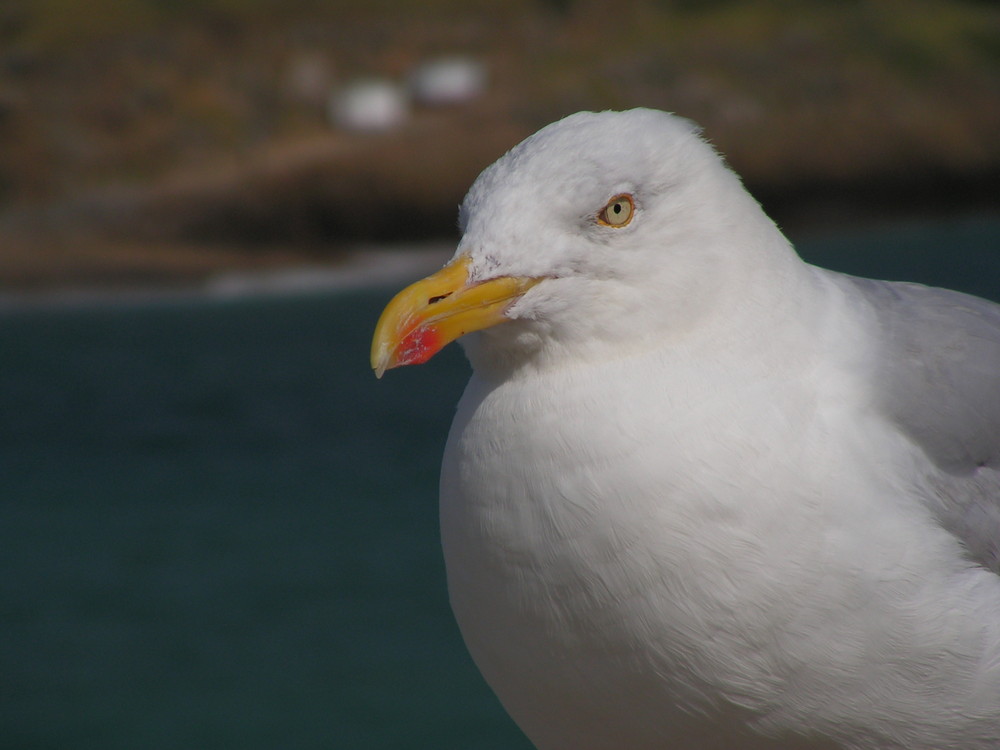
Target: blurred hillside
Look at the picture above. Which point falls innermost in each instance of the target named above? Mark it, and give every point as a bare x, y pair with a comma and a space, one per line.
165, 140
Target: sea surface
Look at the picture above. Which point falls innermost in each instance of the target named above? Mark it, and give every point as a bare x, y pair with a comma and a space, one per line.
219, 530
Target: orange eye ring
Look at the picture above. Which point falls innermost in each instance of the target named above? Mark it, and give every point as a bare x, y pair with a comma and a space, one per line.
618, 212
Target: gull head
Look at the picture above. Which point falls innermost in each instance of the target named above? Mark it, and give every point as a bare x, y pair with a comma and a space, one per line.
601, 229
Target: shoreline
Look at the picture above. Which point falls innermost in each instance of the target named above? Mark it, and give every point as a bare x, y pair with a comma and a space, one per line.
363, 268
48, 256
390, 265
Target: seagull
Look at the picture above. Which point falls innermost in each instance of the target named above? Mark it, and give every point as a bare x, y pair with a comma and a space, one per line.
699, 493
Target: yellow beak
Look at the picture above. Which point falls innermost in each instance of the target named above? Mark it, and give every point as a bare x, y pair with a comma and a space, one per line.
420, 320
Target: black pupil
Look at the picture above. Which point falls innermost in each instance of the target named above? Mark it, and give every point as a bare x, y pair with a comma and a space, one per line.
617, 208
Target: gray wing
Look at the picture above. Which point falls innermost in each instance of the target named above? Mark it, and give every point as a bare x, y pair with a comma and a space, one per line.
940, 383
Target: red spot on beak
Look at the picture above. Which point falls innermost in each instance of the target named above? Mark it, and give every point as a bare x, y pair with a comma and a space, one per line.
419, 345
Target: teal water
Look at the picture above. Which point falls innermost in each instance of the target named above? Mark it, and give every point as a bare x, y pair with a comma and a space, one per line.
218, 530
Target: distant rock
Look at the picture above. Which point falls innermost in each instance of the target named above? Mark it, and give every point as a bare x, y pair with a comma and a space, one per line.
447, 81
375, 105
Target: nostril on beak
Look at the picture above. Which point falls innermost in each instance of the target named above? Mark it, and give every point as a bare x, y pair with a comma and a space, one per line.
440, 297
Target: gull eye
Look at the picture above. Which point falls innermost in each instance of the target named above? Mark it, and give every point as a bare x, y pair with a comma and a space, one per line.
618, 212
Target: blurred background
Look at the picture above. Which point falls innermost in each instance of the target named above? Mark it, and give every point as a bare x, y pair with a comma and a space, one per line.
168, 140
216, 528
